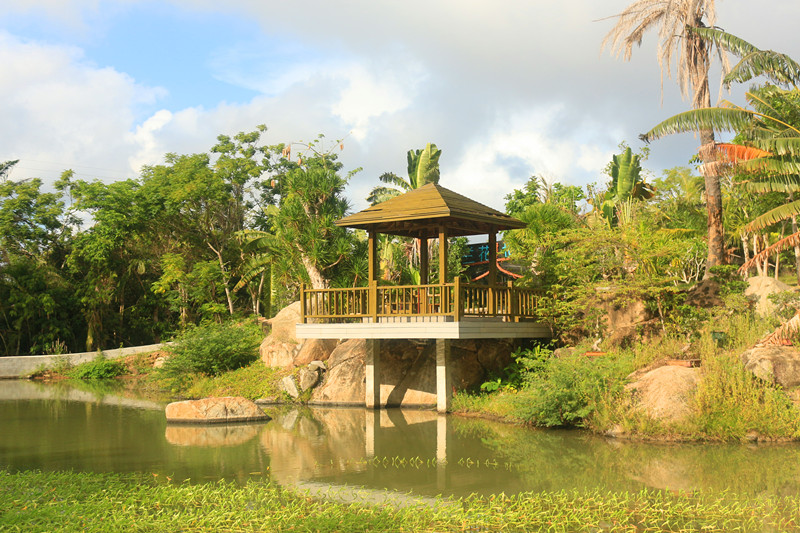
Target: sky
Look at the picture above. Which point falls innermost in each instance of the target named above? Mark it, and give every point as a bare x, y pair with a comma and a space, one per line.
506, 89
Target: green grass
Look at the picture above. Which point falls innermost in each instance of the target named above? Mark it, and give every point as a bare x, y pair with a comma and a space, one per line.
66, 501
253, 382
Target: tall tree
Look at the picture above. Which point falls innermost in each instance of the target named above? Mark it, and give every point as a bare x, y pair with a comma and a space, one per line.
768, 131
673, 19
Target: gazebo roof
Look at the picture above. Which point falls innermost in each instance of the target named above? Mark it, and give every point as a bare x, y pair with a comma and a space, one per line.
421, 212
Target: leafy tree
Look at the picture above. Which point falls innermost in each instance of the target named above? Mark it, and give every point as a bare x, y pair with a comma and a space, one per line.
37, 302
675, 22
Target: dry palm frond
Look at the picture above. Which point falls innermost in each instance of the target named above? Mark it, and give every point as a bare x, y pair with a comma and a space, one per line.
784, 244
783, 334
671, 18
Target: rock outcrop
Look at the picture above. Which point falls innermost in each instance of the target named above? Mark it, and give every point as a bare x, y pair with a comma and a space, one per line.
315, 350
215, 410
664, 393
280, 347
760, 287
407, 370
779, 365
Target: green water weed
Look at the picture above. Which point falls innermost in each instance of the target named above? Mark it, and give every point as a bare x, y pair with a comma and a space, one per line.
68, 501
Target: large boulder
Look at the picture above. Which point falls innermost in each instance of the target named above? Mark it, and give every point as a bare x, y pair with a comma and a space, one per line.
407, 370
664, 393
779, 365
280, 347
760, 287
279, 354
284, 324
215, 410
315, 350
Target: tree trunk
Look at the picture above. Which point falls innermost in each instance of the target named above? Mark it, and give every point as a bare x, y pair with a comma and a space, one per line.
759, 264
796, 248
746, 252
702, 99
225, 277
316, 278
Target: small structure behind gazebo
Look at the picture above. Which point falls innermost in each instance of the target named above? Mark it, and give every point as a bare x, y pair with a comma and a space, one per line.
440, 311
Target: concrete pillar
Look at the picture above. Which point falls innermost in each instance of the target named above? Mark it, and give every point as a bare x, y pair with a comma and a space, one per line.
444, 391
373, 382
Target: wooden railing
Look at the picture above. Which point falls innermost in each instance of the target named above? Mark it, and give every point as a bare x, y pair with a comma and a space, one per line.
455, 300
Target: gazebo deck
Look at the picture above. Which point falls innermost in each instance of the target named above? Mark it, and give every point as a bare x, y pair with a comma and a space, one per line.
452, 310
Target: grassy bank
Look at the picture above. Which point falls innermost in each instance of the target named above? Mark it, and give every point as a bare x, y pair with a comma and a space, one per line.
570, 389
63, 501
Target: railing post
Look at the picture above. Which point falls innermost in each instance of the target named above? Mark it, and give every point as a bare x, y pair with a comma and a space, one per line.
373, 300
513, 303
458, 310
302, 303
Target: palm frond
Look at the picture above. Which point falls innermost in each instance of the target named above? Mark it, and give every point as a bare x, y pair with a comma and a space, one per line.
711, 118
771, 167
784, 244
390, 178
783, 333
735, 153
725, 41
783, 212
777, 67
381, 194
764, 187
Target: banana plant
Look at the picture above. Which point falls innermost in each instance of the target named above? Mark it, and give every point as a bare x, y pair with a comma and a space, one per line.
626, 185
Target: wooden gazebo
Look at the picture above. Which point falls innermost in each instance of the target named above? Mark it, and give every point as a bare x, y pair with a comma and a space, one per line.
444, 310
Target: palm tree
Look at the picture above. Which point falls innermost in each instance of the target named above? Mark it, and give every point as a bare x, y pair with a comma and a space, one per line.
423, 168
674, 18
768, 142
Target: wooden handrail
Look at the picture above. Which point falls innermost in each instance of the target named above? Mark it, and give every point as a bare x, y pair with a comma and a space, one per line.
455, 299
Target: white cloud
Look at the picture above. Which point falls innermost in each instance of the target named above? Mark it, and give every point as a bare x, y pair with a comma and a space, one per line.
59, 108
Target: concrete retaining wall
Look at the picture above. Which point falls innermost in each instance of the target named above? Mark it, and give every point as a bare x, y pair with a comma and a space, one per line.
23, 365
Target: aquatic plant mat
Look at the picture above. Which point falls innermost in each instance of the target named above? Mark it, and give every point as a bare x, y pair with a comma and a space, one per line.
67, 501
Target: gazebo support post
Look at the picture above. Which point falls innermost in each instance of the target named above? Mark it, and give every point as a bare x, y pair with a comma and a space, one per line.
373, 254
423, 260
492, 277
423, 273
442, 255
373, 381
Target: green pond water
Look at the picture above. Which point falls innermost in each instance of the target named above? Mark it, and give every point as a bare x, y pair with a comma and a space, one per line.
390, 451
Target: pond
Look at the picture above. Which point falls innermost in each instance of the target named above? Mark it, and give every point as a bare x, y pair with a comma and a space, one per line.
393, 452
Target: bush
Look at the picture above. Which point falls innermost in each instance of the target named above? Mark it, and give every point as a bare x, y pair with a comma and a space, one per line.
212, 349
99, 368
566, 391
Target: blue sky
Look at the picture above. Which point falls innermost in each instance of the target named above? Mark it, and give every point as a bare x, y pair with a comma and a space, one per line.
104, 87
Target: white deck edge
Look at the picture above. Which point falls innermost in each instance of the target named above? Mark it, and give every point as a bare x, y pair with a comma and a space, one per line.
463, 329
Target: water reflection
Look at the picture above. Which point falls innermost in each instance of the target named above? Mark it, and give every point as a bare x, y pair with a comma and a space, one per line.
326, 449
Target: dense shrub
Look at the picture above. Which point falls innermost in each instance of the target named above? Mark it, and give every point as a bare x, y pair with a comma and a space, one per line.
565, 391
99, 368
212, 349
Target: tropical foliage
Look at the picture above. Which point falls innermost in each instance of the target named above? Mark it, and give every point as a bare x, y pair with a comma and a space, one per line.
675, 21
